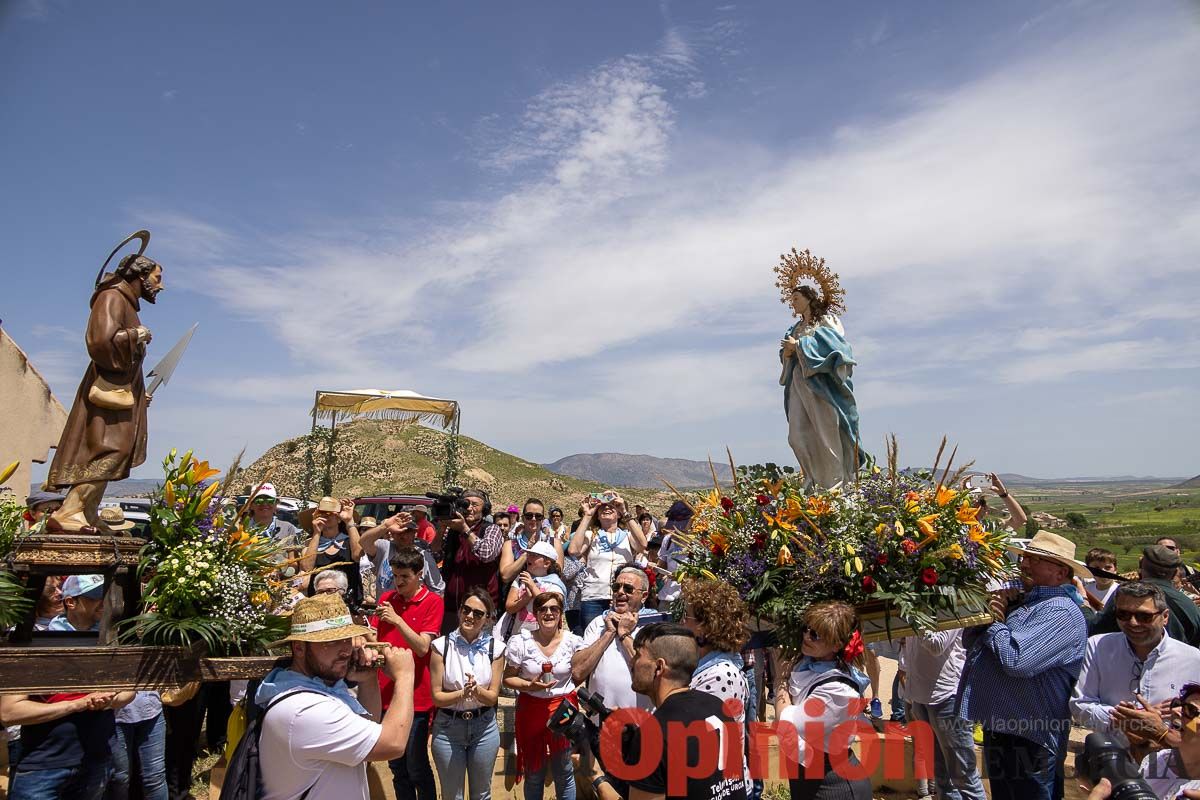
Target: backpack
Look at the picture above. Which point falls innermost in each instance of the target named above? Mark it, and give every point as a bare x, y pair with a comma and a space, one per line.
243, 775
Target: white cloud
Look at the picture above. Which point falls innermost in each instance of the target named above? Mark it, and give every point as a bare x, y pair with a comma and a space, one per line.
1021, 212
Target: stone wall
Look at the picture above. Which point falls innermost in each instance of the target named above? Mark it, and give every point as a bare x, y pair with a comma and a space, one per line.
31, 418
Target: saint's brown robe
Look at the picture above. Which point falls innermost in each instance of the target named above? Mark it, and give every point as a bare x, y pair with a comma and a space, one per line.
100, 444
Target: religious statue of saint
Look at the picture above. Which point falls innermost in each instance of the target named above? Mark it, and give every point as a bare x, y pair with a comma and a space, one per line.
818, 366
105, 434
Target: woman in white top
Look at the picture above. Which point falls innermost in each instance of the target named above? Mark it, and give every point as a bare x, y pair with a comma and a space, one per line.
539, 668
606, 539
826, 672
465, 670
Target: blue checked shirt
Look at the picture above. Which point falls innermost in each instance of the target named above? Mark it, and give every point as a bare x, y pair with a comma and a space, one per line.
1018, 674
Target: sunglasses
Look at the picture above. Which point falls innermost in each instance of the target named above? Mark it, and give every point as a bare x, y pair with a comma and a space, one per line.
627, 588
263, 501
1186, 710
812, 635
531, 515
1144, 617
550, 610
473, 613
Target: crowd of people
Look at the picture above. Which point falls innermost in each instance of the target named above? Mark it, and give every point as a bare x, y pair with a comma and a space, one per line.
406, 633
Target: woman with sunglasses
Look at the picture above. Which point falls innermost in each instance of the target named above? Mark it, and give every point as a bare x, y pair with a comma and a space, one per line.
607, 539
465, 671
531, 529
538, 666
826, 671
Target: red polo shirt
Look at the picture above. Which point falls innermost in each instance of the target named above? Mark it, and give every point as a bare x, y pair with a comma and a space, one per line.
423, 613
425, 531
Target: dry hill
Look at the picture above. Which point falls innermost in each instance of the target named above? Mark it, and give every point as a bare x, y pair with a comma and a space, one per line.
380, 456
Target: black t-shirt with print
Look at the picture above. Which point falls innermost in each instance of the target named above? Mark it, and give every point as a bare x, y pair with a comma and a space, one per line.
683, 708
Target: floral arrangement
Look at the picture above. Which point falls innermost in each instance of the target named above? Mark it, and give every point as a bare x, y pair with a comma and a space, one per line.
906, 542
211, 581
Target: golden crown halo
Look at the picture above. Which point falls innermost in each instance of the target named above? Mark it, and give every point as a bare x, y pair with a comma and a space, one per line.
796, 267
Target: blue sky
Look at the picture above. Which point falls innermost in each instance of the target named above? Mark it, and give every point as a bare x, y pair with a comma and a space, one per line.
566, 214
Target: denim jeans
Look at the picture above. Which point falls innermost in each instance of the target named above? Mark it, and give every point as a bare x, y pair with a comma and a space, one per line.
755, 789
465, 748
954, 768
149, 740
564, 778
412, 776
590, 609
85, 782
1018, 768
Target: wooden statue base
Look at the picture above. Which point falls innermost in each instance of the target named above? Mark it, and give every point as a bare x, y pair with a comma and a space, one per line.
46, 670
35, 558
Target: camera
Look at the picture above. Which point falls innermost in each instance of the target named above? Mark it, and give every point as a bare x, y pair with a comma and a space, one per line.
446, 505
1103, 757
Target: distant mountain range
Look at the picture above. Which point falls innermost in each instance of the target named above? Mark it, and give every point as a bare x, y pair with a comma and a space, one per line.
623, 469
640, 471
1190, 483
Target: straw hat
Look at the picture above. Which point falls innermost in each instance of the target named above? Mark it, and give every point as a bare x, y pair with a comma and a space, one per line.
1055, 548
114, 518
322, 618
326, 504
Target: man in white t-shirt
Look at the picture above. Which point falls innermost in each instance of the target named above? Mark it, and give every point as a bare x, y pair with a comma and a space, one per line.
317, 737
604, 662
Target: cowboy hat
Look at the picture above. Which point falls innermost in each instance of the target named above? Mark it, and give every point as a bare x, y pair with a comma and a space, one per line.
322, 618
1055, 548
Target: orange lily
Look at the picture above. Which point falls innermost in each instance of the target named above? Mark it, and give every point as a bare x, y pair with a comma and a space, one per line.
785, 557
976, 533
773, 487
945, 495
791, 510
925, 524
955, 551
779, 522
967, 514
209, 492
881, 530
717, 542
169, 493
819, 506
203, 471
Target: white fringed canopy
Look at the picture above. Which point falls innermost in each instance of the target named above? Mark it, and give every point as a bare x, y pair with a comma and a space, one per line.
401, 404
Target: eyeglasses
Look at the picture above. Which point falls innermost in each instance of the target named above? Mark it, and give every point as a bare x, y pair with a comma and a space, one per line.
332, 590
473, 613
627, 588
1144, 617
531, 515
1135, 683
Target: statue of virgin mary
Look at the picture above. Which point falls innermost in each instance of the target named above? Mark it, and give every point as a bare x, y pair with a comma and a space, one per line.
817, 376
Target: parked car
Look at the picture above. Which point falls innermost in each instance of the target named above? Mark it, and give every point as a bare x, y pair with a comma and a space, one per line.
382, 506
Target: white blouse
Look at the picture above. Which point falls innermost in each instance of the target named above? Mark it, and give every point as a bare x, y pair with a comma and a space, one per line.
460, 661
839, 704
604, 558
524, 654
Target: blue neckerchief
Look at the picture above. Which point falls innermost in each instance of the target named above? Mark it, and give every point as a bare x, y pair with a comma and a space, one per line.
853, 673
337, 539
714, 656
281, 680
605, 545
481, 645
